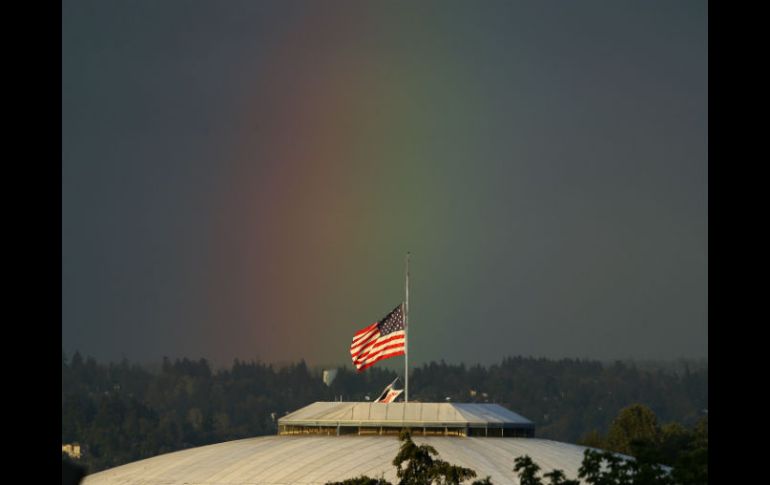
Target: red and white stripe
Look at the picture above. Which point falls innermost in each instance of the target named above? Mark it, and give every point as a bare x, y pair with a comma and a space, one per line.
391, 396
369, 347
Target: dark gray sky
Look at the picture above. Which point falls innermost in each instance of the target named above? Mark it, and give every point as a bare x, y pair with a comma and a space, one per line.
243, 179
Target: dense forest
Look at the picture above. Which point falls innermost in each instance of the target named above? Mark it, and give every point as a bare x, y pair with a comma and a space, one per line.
121, 412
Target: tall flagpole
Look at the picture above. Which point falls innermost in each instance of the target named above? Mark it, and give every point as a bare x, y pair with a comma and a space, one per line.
406, 335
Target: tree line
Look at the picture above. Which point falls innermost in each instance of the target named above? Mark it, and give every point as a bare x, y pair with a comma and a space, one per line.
122, 412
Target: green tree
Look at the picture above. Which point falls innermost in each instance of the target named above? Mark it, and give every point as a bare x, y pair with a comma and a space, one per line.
484, 481
557, 477
691, 466
633, 430
422, 469
527, 470
673, 439
528, 473
607, 468
362, 480
444, 473
593, 439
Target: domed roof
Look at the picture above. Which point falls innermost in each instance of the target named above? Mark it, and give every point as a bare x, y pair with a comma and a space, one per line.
320, 459
334, 441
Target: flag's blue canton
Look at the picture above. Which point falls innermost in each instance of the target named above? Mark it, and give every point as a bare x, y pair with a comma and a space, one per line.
392, 323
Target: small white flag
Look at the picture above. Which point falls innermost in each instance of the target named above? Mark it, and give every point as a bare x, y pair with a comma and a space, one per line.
389, 394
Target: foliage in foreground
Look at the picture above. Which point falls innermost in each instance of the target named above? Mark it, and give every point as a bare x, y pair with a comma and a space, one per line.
598, 468
634, 431
362, 480
420, 465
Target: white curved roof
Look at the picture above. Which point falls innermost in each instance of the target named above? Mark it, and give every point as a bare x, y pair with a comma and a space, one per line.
320, 459
399, 414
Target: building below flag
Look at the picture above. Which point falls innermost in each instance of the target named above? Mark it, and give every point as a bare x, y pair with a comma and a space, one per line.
380, 340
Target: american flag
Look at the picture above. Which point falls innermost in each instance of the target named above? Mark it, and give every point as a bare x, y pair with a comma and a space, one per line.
379, 340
